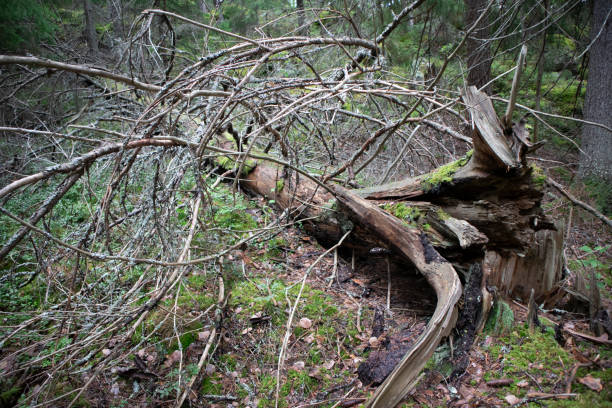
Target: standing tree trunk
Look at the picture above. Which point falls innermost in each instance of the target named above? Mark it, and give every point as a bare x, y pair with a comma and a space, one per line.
478, 52
90, 27
596, 157
299, 5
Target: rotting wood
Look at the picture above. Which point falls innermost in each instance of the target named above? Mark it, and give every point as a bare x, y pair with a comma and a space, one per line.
489, 198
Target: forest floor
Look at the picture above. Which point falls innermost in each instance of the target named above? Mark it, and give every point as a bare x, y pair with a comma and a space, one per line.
341, 323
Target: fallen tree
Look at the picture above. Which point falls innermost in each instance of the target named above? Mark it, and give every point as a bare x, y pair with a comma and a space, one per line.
486, 204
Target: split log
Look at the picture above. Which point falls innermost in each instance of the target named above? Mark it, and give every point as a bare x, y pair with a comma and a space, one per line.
485, 203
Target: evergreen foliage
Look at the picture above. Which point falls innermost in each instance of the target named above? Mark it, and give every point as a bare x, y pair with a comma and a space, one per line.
25, 23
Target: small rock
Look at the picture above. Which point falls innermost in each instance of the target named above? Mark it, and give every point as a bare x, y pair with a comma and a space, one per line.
512, 399
522, 384
299, 365
309, 339
305, 323
106, 352
210, 369
374, 342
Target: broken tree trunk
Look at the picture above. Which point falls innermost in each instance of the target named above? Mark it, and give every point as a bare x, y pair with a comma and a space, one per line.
485, 203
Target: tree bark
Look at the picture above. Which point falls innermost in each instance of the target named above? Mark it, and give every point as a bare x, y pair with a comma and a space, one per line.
477, 46
90, 27
596, 156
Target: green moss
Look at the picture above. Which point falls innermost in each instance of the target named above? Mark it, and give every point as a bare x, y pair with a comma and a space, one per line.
501, 319
211, 385
298, 380
403, 211
280, 184
10, 395
538, 177
444, 174
535, 353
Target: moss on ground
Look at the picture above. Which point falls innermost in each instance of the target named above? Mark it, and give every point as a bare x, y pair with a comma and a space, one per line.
527, 355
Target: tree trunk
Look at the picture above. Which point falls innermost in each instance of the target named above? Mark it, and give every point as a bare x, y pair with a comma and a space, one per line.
477, 45
90, 27
596, 157
484, 207
299, 7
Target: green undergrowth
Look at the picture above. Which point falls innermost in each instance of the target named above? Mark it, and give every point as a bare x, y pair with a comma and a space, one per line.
525, 355
523, 351
333, 330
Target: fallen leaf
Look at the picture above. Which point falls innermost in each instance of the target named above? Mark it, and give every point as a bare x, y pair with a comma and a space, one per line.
305, 323
309, 339
299, 365
106, 352
512, 399
328, 365
591, 382
315, 373
210, 369
172, 358
374, 342
203, 336
522, 384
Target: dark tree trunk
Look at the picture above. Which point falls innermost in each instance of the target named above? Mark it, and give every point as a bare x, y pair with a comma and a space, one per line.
596, 159
477, 45
90, 27
299, 5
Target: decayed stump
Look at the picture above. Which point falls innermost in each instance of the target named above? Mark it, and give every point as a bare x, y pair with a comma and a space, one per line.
484, 205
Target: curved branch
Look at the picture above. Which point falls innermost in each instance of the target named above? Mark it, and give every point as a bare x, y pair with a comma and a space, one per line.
579, 203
